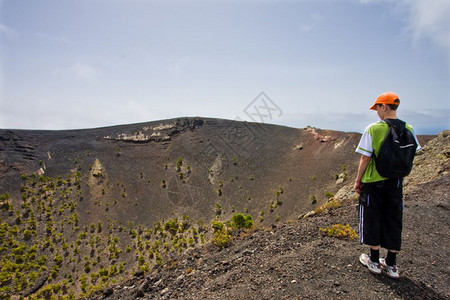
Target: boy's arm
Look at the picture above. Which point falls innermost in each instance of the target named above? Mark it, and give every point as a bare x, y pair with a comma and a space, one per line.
363, 162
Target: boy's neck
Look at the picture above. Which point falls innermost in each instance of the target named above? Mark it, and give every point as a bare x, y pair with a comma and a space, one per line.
390, 115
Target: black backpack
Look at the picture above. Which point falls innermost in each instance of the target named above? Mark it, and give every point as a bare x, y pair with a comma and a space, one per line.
396, 154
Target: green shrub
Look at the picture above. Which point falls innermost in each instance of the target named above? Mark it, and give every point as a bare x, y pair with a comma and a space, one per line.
4, 197
329, 195
94, 277
158, 258
218, 208
172, 226
141, 260
27, 234
179, 163
58, 259
83, 280
104, 272
221, 238
42, 260
239, 221
340, 231
217, 225
331, 204
5, 204
46, 292
87, 267
202, 238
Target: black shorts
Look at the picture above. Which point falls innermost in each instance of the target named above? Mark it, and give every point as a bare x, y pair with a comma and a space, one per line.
381, 214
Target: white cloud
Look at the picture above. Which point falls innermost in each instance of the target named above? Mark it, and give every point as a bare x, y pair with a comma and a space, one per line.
314, 19
85, 72
60, 39
425, 19
8, 32
430, 19
306, 28
179, 65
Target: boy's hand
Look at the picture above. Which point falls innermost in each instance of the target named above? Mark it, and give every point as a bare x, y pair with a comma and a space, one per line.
358, 187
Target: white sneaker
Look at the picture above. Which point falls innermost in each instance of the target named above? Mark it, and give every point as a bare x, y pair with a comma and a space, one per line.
373, 267
390, 271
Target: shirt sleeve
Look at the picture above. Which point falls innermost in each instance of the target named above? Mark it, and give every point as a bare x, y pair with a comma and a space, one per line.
415, 137
365, 144
417, 141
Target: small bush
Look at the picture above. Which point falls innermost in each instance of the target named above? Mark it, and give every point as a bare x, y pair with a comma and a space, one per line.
329, 195
27, 234
179, 163
218, 209
239, 221
172, 226
331, 204
217, 225
340, 231
221, 238
83, 280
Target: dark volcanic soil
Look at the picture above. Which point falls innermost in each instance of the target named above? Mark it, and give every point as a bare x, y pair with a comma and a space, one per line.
295, 261
105, 200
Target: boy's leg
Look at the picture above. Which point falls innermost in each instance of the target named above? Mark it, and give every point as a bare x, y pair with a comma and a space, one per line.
375, 253
392, 225
370, 215
391, 258
389, 265
392, 215
370, 226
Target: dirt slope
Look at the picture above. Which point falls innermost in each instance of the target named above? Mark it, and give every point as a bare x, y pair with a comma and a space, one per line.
84, 209
247, 162
295, 261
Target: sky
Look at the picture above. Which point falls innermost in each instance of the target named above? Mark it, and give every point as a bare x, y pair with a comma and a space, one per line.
73, 64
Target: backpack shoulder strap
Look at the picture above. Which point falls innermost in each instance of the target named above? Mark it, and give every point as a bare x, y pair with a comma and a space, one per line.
396, 126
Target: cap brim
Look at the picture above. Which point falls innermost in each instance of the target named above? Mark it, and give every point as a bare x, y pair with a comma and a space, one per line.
373, 107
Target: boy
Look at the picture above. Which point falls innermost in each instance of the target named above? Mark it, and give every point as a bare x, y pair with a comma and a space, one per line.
381, 199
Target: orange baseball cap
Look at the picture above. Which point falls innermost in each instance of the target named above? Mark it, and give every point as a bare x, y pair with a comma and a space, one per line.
386, 98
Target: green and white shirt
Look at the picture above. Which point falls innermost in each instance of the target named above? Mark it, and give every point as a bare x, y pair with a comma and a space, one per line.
370, 143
